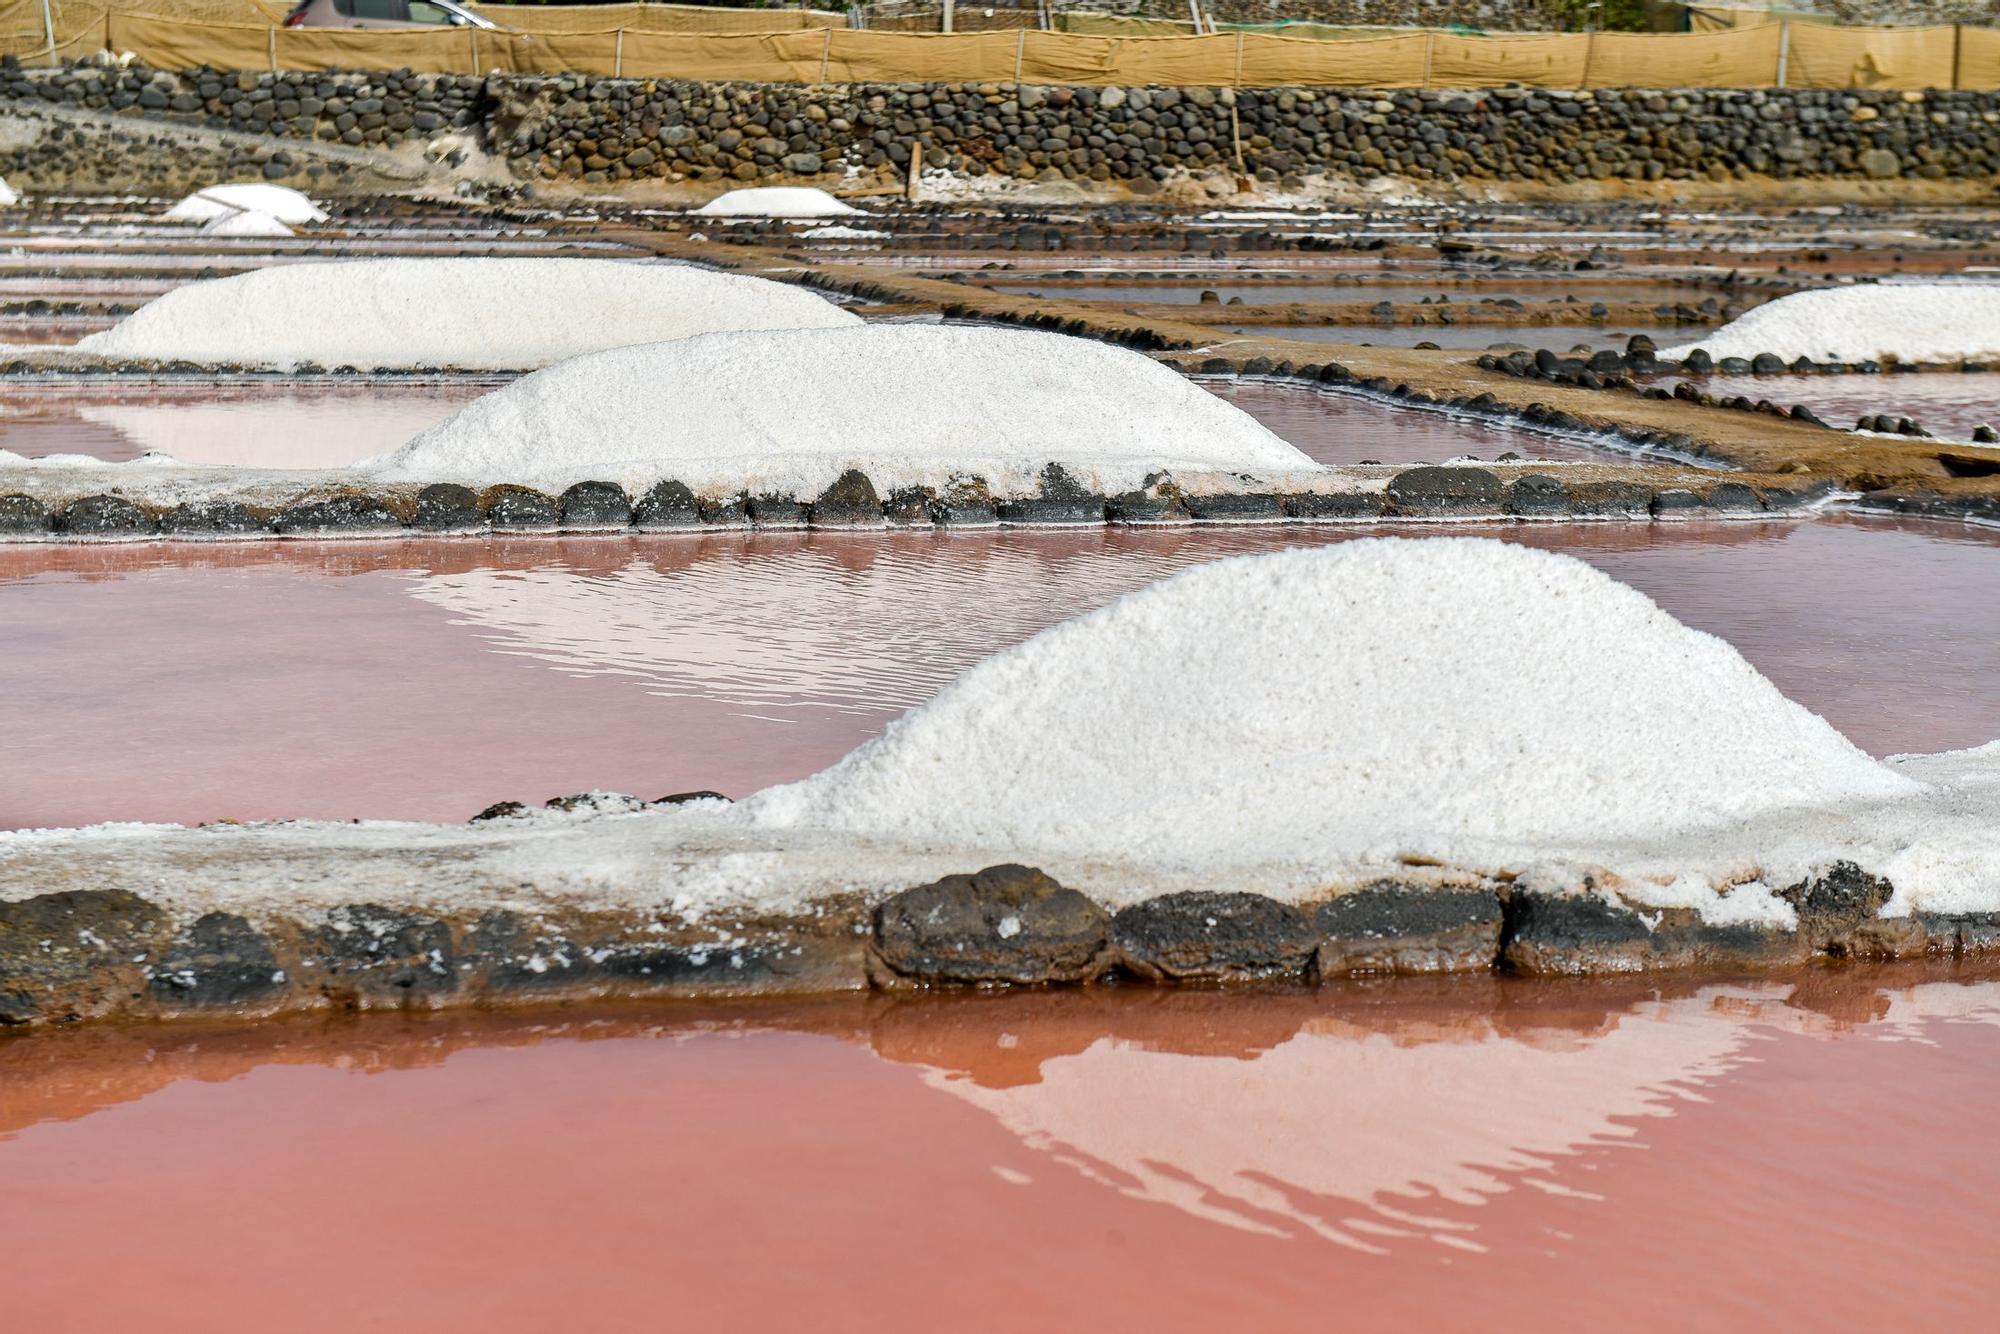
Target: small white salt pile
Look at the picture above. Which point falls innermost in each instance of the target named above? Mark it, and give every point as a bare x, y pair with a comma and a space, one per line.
788, 412
493, 314
1325, 707
7, 196
838, 232
245, 224
219, 201
775, 201
1911, 322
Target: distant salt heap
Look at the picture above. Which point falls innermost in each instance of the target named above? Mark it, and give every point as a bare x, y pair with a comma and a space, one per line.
788, 412
1329, 707
472, 314
7, 196
776, 201
245, 224
219, 201
1913, 322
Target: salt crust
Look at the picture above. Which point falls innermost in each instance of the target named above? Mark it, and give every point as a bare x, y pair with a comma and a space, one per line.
1911, 322
787, 412
776, 201
1252, 724
219, 201
245, 223
473, 314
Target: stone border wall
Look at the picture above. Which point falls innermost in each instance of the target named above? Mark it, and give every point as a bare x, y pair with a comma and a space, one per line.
606, 132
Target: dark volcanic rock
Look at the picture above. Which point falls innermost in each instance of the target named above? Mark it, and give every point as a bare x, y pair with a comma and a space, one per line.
1840, 914
1002, 924
1334, 505
520, 508
220, 960
211, 518
73, 940
1601, 500
1575, 934
595, 505
106, 516
22, 515
1144, 507
447, 507
367, 948
353, 513
1393, 928
849, 502
778, 512
1063, 499
1244, 508
500, 810
1439, 491
1537, 494
667, 505
1208, 936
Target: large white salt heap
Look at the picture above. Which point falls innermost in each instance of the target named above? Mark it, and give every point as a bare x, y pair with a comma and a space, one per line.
788, 412
1913, 322
1322, 708
219, 201
776, 201
471, 314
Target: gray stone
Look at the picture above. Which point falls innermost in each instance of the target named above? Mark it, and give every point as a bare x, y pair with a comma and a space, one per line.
667, 505
1393, 928
520, 508
1444, 491
106, 516
1211, 936
350, 513
595, 505
1537, 495
220, 960
447, 507
211, 518
1002, 924
368, 949
849, 501
23, 516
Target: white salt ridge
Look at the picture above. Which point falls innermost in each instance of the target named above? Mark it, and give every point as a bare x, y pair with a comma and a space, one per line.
473, 314
7, 196
837, 232
1311, 705
1911, 322
776, 201
245, 223
788, 412
219, 201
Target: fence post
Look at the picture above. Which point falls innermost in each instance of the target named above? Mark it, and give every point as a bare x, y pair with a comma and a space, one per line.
1784, 52
49, 30
1589, 56
1957, 55
472, 40
271, 46
1429, 35
825, 54
1237, 80
618, 55
950, 14
1020, 51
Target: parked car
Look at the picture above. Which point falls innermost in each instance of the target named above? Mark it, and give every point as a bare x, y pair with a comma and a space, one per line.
385, 14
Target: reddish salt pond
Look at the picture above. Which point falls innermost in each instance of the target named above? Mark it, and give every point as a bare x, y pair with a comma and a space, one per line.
430, 679
1949, 405
328, 423
1809, 1152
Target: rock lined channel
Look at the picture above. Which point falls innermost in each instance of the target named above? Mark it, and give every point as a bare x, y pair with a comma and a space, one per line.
101, 953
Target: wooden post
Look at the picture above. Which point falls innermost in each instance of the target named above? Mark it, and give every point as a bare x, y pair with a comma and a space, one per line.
1020, 52
1784, 51
916, 169
271, 46
950, 12
825, 54
1958, 55
618, 55
1194, 15
1236, 79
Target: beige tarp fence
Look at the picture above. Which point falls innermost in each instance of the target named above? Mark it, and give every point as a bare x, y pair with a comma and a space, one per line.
1823, 57
226, 34
1747, 58
656, 18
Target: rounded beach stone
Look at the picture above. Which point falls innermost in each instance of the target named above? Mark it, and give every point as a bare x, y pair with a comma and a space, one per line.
367, 947
1734, 498
23, 516
1611, 499
106, 516
777, 512
1002, 924
1334, 505
211, 518
1208, 936
219, 960
595, 505
520, 507
1537, 494
667, 505
445, 507
1240, 508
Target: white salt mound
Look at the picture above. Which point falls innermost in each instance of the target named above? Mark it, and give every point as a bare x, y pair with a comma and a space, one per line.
219, 201
245, 224
7, 196
1910, 322
788, 412
474, 314
1322, 707
775, 201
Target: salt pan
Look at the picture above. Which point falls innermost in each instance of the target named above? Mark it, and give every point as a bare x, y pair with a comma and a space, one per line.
219, 201
775, 201
788, 412
494, 314
1914, 322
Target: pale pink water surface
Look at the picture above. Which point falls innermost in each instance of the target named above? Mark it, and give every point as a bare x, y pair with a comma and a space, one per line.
429, 679
1804, 1152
